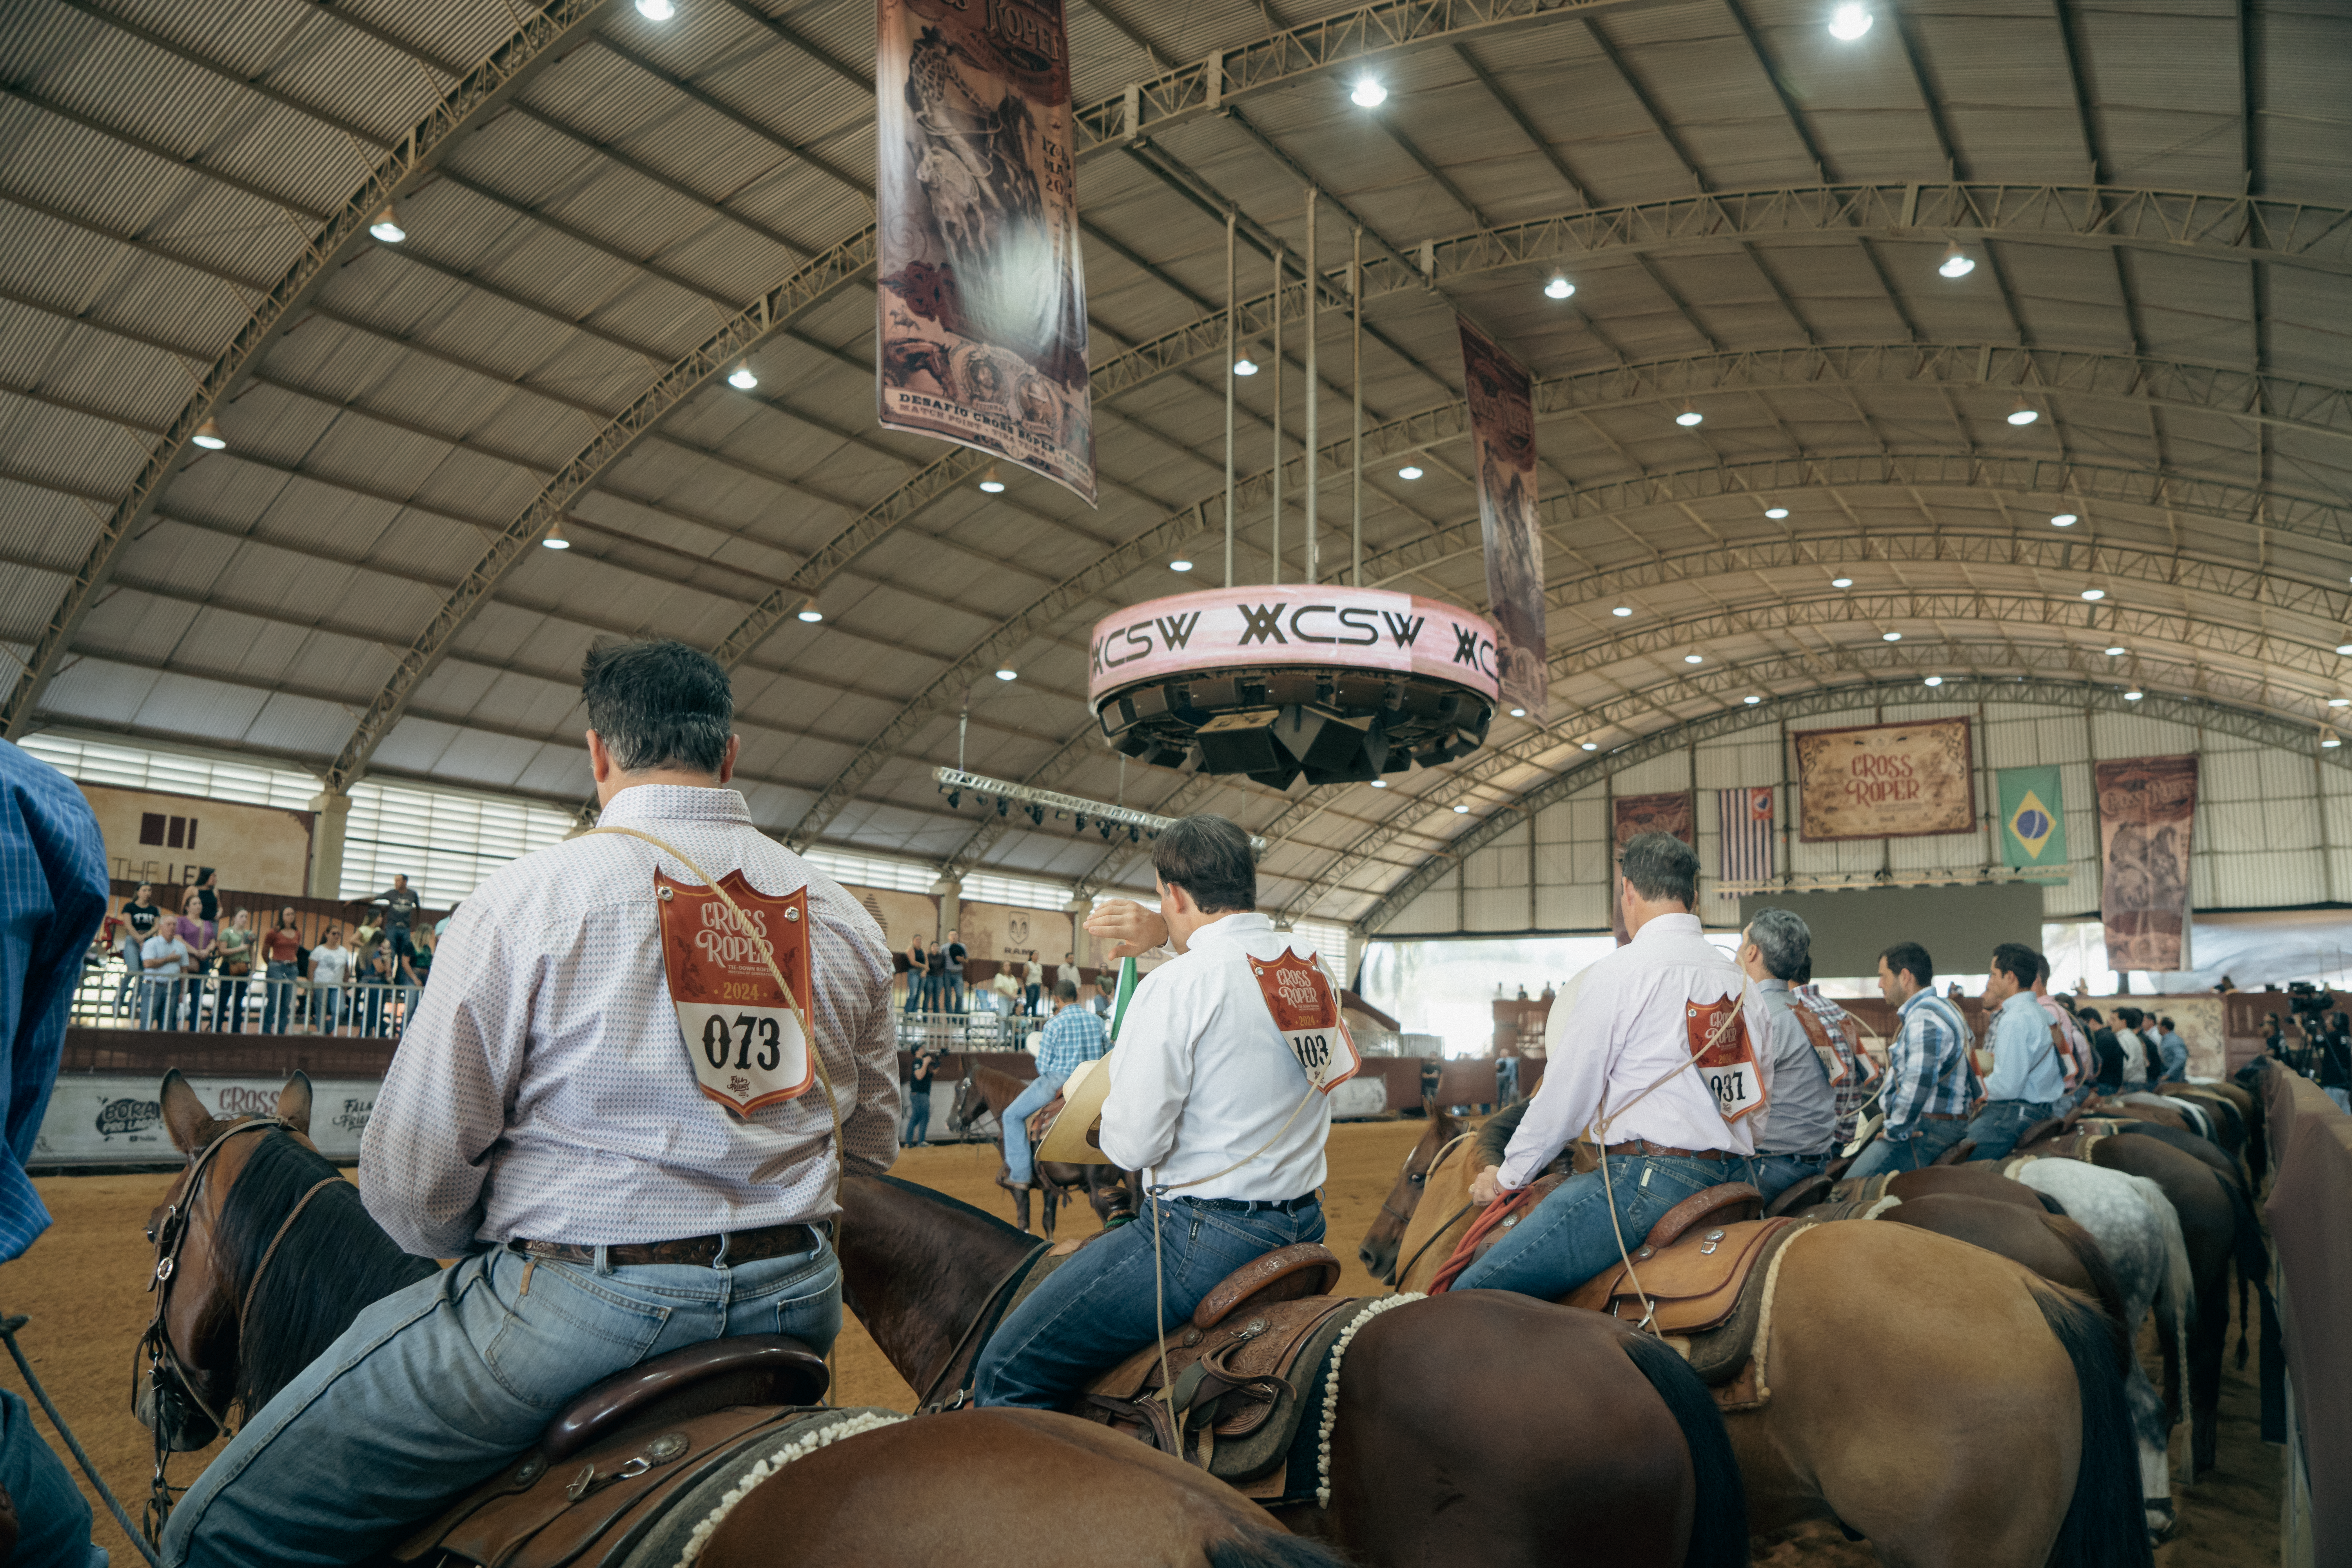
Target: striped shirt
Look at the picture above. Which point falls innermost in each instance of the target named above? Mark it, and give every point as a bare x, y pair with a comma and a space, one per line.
1860, 1078
1927, 1065
1071, 1035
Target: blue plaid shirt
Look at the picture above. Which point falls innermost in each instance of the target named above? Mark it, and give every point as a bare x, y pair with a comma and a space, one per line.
52, 896
1073, 1035
1927, 1065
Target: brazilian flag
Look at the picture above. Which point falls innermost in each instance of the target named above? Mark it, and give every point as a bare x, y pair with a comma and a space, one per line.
2033, 821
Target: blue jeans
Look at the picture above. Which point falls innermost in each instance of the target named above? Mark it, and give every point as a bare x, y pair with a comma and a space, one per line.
1772, 1174
1568, 1238
52, 1520
919, 1114
1916, 1152
1018, 1166
278, 999
1096, 1309
1996, 1127
160, 1004
440, 1384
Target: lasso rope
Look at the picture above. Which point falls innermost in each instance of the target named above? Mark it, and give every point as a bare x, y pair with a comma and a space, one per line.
1331, 1391
768, 1468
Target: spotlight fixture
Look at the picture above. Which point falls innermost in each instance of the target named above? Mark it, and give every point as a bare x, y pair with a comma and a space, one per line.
1008, 673
990, 482
208, 435
1559, 288
1751, 700
1410, 471
1461, 809
1841, 582
1180, 566
1037, 815
1890, 636
2344, 647
811, 614
1519, 713
657, 10
955, 798
386, 226
2115, 653
2134, 696
1002, 802
1245, 365
1850, 22
1078, 824
1380, 784
1694, 658
1591, 745
1621, 611
1368, 93
2095, 594
2328, 741
1688, 417
742, 379
1933, 680
2064, 520
1776, 513
2023, 413
2340, 702
555, 540
1958, 263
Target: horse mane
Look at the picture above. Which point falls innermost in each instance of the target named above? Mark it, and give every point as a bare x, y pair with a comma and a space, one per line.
981, 1075
330, 1264
1494, 1138
933, 1195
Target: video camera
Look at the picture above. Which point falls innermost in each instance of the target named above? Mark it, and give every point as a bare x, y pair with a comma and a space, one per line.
2309, 1003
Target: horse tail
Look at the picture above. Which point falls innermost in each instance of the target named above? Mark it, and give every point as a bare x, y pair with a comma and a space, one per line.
1719, 1515
2051, 1205
2176, 1293
1272, 1549
2105, 1525
2253, 1256
2103, 1284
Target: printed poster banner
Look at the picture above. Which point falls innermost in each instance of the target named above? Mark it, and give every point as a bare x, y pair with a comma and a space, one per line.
1503, 439
1675, 812
980, 305
117, 1119
2033, 821
2146, 808
1885, 781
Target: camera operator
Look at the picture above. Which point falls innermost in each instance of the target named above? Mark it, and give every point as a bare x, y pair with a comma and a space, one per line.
2335, 1060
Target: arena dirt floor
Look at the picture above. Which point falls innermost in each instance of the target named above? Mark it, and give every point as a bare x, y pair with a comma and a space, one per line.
83, 1288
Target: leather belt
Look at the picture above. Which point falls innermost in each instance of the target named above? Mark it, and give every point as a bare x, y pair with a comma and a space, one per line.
1644, 1146
742, 1246
1243, 1205
1942, 1116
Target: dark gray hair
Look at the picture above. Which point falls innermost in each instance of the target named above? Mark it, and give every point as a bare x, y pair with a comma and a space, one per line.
1661, 867
1208, 857
659, 704
1065, 990
1785, 941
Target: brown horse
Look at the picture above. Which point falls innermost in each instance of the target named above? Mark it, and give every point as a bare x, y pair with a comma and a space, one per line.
1107, 1189
985, 1470
1935, 1399
1475, 1429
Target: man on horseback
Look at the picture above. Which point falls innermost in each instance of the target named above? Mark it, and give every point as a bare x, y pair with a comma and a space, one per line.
1799, 1132
548, 1121
1624, 1064
1929, 1081
1073, 1035
1207, 1100
2028, 1079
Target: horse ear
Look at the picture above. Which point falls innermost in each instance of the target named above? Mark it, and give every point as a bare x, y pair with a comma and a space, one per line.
185, 1116
294, 1102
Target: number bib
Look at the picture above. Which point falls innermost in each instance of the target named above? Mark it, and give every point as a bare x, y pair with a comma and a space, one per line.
744, 1039
1725, 1056
1306, 1011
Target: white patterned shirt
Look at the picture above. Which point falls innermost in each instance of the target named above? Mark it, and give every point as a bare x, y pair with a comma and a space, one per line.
544, 1092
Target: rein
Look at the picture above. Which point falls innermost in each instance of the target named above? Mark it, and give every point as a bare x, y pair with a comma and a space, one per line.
1404, 1270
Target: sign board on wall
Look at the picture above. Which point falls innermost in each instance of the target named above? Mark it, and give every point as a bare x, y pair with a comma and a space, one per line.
905, 918
152, 836
1003, 931
1886, 781
116, 1118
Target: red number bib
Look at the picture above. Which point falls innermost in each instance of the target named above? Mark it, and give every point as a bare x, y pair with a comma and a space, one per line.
1306, 1009
745, 1040
1725, 1056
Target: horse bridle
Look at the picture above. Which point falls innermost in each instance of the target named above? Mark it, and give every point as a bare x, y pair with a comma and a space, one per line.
1399, 1271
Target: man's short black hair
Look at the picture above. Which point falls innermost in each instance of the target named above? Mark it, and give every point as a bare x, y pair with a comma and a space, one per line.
1210, 858
2041, 968
1661, 867
1910, 958
2167, 1022
2091, 1016
2017, 960
658, 704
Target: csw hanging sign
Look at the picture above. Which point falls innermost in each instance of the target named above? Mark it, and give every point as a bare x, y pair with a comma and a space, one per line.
1885, 781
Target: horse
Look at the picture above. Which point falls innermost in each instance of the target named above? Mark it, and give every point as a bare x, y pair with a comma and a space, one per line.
1475, 1429
278, 1256
1107, 1189
1941, 1401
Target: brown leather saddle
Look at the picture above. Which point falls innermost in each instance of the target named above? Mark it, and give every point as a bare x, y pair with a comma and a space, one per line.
622, 1457
1040, 1120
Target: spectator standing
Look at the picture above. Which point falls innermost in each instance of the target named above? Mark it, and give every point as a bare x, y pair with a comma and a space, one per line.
2108, 1049
2173, 1051
917, 968
199, 933
400, 907
367, 933
1929, 1081
1066, 970
281, 951
935, 978
208, 887
1098, 998
164, 959
956, 955
2028, 1077
1032, 986
419, 967
332, 965
371, 988
139, 918
920, 1076
1073, 1035
236, 948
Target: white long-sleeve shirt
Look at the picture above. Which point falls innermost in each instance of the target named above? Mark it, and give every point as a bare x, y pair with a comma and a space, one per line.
1620, 1027
1202, 1078
543, 1090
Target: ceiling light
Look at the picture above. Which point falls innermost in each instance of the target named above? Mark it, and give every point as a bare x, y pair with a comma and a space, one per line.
1462, 809
1890, 636
2064, 520
2023, 413
1933, 680
2340, 702
1380, 784
2095, 594
1008, 673
386, 226
1559, 288
1591, 745
555, 540
2115, 653
1180, 566
2329, 742
2133, 695
1776, 513
1841, 582
657, 10
811, 614
1245, 365
1621, 611
1410, 471
1752, 701
742, 379
1519, 713
2344, 647
1958, 263
1368, 93
1694, 658
990, 482
208, 435
1688, 417
1850, 22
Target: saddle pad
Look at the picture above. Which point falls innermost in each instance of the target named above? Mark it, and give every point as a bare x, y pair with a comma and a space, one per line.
1692, 1285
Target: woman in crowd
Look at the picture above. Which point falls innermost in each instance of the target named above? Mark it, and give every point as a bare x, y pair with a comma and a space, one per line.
375, 991
331, 972
281, 948
918, 969
139, 918
412, 969
199, 934
237, 947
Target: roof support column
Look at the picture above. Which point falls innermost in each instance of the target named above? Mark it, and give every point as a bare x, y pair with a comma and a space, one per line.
330, 821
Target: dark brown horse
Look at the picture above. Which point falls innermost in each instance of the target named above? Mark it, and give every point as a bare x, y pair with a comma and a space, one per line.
997, 1473
1478, 1429
1937, 1399
1107, 1189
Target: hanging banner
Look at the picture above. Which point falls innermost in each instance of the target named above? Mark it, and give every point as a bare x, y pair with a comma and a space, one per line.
1675, 812
1885, 781
2033, 821
2146, 808
980, 298
1503, 441
1744, 828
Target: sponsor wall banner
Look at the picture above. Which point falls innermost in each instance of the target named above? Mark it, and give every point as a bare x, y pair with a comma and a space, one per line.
2033, 821
2147, 805
1003, 931
905, 918
1885, 781
116, 1118
980, 299
1321, 625
1674, 812
154, 836
1503, 442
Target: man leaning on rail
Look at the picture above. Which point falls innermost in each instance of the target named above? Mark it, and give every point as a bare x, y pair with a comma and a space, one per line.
1622, 1059
543, 1120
